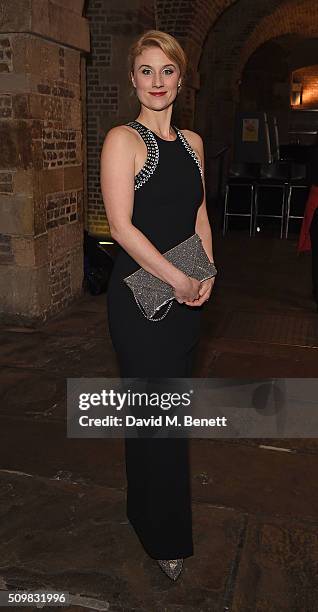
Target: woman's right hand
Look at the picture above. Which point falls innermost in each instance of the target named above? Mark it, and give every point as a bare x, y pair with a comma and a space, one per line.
186, 289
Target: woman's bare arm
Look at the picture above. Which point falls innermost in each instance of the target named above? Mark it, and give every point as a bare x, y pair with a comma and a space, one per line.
117, 185
202, 225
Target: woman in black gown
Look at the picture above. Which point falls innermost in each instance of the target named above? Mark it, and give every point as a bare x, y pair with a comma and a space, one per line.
152, 179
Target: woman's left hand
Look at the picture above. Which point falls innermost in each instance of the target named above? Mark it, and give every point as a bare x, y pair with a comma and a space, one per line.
204, 292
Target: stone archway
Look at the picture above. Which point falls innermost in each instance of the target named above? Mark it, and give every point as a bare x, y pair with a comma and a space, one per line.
296, 17
265, 82
222, 61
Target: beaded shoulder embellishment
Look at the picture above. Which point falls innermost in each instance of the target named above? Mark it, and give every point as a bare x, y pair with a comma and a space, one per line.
152, 154
190, 150
152, 160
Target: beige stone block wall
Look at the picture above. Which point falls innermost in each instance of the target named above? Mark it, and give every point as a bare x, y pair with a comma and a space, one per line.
41, 158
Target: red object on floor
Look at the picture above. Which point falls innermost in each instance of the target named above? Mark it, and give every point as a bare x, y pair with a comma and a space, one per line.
304, 242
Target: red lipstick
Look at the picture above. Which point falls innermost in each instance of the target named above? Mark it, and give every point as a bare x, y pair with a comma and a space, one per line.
157, 93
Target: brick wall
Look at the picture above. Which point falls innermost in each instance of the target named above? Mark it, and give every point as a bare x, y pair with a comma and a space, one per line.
113, 28
309, 79
41, 161
41, 149
293, 16
6, 252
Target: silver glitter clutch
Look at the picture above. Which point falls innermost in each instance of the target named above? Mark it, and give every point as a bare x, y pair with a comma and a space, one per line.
151, 293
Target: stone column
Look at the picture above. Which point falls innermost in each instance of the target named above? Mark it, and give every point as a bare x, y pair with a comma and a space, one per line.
41, 159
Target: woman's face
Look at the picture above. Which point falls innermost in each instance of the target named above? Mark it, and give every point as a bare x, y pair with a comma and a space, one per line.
154, 72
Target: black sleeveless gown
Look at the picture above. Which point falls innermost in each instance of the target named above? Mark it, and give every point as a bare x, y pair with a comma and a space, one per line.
168, 192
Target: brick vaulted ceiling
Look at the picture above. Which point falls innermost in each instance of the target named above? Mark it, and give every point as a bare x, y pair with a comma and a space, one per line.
192, 21
251, 22
269, 18
293, 17
231, 40
192, 18
262, 20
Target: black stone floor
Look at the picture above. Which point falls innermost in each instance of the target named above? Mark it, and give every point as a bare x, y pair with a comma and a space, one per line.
255, 502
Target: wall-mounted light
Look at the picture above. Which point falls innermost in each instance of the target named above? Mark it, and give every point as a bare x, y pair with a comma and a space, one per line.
296, 93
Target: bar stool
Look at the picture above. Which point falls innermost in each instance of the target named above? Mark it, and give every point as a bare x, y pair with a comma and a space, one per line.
272, 176
298, 180
240, 175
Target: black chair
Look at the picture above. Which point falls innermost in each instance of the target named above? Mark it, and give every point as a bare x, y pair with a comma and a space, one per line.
240, 175
295, 207
273, 176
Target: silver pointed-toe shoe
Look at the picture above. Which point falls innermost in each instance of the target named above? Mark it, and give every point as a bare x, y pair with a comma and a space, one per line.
171, 567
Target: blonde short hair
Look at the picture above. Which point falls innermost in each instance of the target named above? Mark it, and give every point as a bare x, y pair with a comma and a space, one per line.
167, 43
